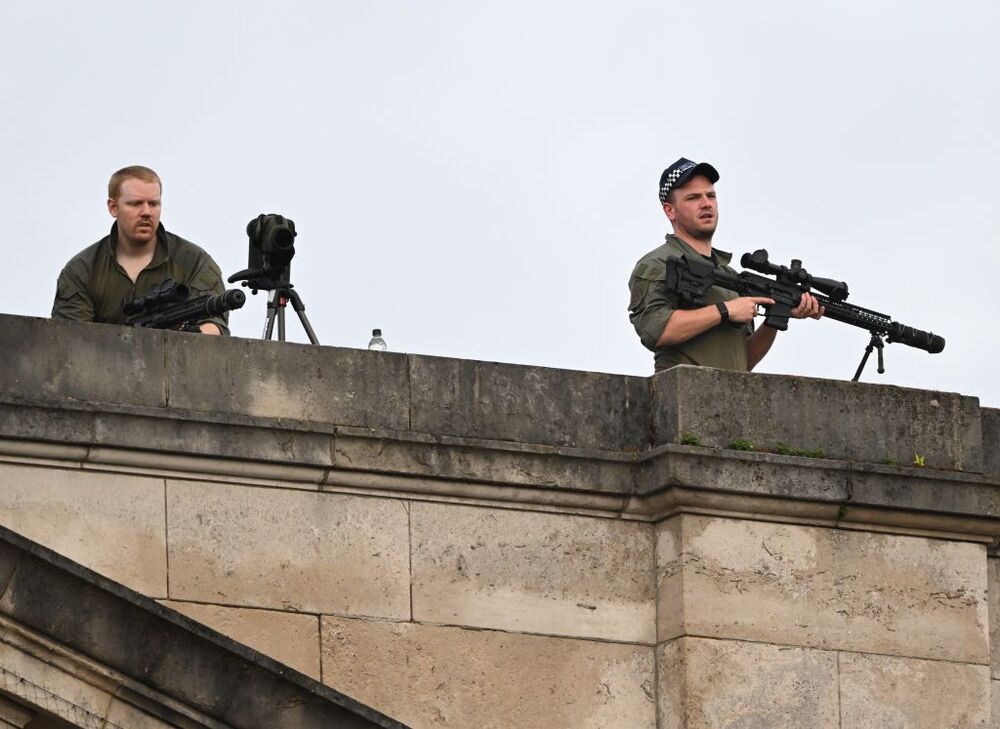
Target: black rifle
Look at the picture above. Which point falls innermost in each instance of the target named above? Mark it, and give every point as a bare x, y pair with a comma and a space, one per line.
689, 279
168, 306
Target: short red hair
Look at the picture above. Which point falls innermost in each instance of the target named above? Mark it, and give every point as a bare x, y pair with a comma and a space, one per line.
137, 172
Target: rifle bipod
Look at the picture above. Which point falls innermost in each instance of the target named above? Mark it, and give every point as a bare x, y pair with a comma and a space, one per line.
874, 343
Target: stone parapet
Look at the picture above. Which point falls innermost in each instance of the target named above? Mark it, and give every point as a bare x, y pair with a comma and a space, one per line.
311, 387
841, 420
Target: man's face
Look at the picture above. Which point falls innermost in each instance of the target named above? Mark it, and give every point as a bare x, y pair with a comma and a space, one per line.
694, 210
137, 210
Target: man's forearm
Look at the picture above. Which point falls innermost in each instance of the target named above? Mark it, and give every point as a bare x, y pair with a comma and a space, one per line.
758, 345
685, 324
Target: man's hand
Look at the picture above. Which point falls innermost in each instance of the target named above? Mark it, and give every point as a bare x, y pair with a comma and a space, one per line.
209, 328
744, 308
808, 307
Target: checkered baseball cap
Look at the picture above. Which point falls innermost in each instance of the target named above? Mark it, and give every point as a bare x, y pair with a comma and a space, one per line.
681, 171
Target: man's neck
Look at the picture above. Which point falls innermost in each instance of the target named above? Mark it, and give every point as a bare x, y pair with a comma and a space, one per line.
704, 247
134, 256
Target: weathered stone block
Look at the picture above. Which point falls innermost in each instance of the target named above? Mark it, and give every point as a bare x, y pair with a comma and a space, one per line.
289, 550
886, 692
709, 684
993, 589
845, 420
108, 522
530, 404
991, 440
995, 704
750, 473
465, 459
434, 676
533, 572
290, 638
67, 359
822, 588
225, 439
961, 493
52, 424
284, 380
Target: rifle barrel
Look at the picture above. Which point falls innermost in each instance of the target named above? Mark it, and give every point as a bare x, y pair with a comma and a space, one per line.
873, 321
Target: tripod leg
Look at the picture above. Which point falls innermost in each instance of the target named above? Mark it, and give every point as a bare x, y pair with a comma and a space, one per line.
300, 309
269, 320
305, 325
281, 323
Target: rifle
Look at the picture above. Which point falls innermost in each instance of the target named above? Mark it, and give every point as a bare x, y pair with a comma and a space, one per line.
168, 306
690, 278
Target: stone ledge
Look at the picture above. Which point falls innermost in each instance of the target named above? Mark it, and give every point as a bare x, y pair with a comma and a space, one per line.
659, 482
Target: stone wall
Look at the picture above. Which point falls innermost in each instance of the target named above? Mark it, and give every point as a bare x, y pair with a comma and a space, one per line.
463, 543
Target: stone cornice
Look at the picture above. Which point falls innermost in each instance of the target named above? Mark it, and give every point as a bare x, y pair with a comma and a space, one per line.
650, 485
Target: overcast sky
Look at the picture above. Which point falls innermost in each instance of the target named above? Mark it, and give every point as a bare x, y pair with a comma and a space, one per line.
478, 179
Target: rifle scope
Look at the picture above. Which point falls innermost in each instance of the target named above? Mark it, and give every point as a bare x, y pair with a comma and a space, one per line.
795, 275
159, 296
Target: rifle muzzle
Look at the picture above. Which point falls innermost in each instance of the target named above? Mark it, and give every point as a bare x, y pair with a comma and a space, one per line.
909, 336
226, 301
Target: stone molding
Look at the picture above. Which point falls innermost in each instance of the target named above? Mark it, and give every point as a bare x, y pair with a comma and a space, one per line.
657, 483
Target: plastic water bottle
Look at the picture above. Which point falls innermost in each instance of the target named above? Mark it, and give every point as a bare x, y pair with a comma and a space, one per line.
376, 342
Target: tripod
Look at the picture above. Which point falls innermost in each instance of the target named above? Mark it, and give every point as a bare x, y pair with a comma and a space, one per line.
277, 299
280, 291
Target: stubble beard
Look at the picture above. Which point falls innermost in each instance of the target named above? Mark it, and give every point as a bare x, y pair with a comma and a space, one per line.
137, 237
703, 234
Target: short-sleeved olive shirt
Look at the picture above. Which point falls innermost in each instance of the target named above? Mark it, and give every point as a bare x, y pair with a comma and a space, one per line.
651, 306
93, 285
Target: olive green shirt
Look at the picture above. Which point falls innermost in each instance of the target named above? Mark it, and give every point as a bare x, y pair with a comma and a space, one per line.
93, 285
651, 306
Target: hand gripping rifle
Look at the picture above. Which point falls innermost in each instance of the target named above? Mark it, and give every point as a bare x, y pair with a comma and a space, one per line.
168, 306
690, 278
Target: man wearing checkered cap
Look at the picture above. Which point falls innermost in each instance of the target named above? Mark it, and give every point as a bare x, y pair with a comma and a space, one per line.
721, 333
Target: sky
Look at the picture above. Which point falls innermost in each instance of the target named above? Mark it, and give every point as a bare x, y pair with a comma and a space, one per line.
478, 179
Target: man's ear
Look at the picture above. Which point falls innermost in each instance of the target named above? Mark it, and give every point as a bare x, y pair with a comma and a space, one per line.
667, 208
113, 207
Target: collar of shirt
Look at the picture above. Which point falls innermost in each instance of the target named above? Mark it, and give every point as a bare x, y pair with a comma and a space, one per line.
160, 256
723, 258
